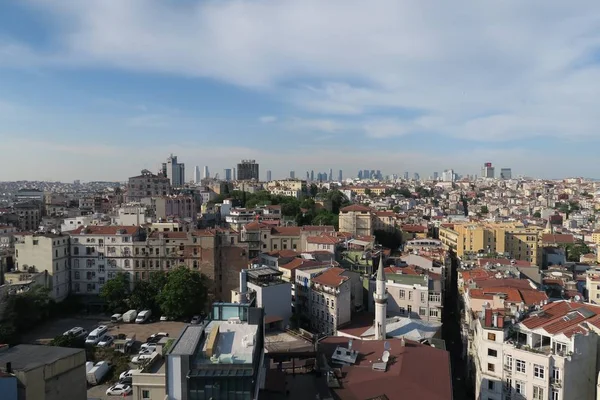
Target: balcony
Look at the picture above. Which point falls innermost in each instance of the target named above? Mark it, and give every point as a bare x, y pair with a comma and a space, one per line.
557, 383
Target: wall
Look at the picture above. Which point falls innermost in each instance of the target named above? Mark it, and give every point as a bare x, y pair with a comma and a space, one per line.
153, 383
275, 299
8, 387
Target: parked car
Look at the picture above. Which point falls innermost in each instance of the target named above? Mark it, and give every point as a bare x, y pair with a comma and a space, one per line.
130, 316
116, 318
166, 318
77, 332
95, 335
155, 338
119, 390
147, 347
143, 316
126, 381
95, 375
196, 319
140, 358
106, 341
127, 374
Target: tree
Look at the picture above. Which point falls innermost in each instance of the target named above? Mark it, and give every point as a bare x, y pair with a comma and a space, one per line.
537, 214
185, 293
69, 340
367, 191
314, 190
576, 250
25, 310
115, 293
390, 240
484, 210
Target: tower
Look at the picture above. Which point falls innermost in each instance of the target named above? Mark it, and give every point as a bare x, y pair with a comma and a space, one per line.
380, 296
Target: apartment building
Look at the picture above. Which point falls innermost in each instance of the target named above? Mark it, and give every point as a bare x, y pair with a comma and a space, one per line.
412, 292
177, 206
29, 215
384, 221
45, 253
330, 300
549, 354
98, 253
511, 239
262, 238
147, 185
357, 220
7, 233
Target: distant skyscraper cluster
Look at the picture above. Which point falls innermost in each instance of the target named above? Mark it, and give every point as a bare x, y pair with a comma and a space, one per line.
370, 174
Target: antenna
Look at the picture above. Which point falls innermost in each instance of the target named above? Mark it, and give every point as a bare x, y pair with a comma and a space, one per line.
387, 347
385, 357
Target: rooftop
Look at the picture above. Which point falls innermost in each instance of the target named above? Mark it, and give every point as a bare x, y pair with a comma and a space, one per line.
25, 357
227, 342
408, 374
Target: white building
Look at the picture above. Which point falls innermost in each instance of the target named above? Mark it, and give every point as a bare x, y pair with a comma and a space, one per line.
98, 253
70, 224
45, 253
132, 214
174, 171
330, 300
551, 354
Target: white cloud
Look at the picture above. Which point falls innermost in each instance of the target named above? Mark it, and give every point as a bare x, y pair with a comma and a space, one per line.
316, 124
481, 71
267, 119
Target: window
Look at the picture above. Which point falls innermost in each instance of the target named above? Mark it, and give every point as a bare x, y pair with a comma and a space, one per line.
127, 263
145, 394
555, 394
402, 294
410, 294
520, 365
491, 385
433, 312
76, 274
520, 386
491, 367
409, 310
76, 251
538, 371
508, 362
422, 311
492, 353
491, 336
423, 297
556, 374
538, 393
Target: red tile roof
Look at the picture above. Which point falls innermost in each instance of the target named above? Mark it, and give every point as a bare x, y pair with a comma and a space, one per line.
255, 226
558, 238
104, 230
355, 208
563, 317
322, 240
285, 231
332, 277
528, 296
408, 376
414, 228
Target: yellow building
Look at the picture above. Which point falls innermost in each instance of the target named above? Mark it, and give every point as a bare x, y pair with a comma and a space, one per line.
514, 239
596, 238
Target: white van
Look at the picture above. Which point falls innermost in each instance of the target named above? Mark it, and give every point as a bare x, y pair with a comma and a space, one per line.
143, 316
96, 335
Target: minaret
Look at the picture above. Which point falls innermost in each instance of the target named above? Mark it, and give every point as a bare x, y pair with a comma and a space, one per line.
549, 228
380, 297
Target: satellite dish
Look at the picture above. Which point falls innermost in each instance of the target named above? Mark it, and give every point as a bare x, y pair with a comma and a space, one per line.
386, 356
386, 346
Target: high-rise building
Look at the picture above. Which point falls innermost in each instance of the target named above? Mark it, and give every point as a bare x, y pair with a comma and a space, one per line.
234, 175
330, 174
435, 176
312, 175
340, 176
487, 171
269, 175
197, 176
405, 175
174, 171
206, 174
247, 170
292, 174
366, 174
360, 174
227, 174
448, 175
378, 175
506, 173
417, 176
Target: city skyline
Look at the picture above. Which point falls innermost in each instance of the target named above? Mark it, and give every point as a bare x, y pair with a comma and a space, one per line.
85, 98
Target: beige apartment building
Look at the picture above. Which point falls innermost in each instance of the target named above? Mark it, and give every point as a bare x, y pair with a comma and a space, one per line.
147, 185
330, 300
45, 253
512, 239
357, 220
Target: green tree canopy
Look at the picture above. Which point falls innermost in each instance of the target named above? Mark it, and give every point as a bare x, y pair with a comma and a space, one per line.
185, 293
145, 293
484, 210
576, 250
537, 214
115, 293
26, 309
69, 340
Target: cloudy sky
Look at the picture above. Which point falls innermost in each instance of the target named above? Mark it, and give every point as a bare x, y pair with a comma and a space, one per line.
100, 89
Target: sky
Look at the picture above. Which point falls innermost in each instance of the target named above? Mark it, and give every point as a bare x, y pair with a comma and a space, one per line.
101, 89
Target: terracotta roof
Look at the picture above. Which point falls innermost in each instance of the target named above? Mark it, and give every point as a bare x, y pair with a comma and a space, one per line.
301, 262
558, 238
104, 230
255, 226
286, 253
285, 231
408, 375
332, 277
322, 240
318, 228
414, 228
355, 208
563, 317
528, 296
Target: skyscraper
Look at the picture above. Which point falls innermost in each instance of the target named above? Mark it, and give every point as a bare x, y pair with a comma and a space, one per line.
174, 171
340, 176
234, 175
227, 174
487, 171
417, 176
197, 176
292, 174
206, 174
268, 175
312, 175
406, 175
330, 174
247, 170
505, 173
360, 174
435, 176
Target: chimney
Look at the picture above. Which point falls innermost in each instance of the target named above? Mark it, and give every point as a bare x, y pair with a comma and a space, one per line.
495, 320
500, 323
488, 317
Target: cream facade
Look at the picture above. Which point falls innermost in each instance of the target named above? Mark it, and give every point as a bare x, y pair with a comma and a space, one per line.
45, 253
330, 301
357, 220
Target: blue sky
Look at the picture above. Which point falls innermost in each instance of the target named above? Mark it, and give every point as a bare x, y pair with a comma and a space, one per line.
100, 89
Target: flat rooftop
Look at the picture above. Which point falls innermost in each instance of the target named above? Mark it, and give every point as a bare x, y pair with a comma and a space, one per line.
25, 357
235, 343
